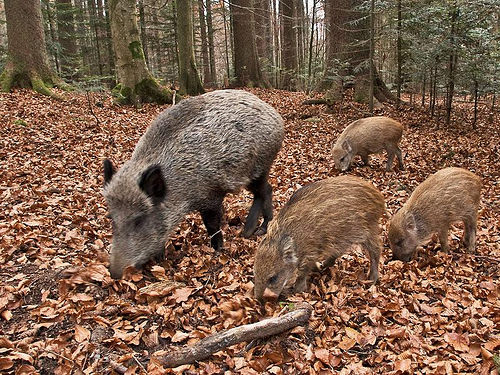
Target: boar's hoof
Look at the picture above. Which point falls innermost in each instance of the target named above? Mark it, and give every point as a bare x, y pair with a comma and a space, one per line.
159, 257
217, 242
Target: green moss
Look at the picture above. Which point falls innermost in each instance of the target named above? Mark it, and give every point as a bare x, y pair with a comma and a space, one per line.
6, 80
20, 122
122, 94
135, 49
149, 90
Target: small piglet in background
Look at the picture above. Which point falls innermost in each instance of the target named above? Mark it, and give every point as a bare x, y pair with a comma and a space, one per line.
449, 195
368, 136
320, 222
190, 157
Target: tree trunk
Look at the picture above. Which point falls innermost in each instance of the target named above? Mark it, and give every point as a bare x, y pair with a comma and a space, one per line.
372, 52
347, 53
224, 19
207, 79
263, 34
27, 63
144, 35
50, 21
135, 83
399, 42
67, 38
452, 64
211, 46
246, 63
109, 43
288, 45
313, 20
94, 20
189, 79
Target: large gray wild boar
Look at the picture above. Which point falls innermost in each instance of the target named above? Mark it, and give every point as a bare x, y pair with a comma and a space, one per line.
319, 223
449, 195
189, 158
368, 136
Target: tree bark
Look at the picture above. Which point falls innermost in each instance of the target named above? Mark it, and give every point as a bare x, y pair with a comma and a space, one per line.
451, 64
207, 79
213, 343
399, 57
288, 45
263, 35
27, 62
246, 63
347, 53
135, 83
67, 38
189, 79
211, 46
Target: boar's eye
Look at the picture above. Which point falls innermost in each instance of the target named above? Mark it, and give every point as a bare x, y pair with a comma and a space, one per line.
138, 221
399, 242
273, 279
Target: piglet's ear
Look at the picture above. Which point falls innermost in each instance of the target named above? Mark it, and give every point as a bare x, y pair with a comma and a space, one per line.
153, 183
411, 223
287, 250
346, 145
109, 171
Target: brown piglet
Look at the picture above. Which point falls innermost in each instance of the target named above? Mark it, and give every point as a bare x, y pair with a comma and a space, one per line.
449, 195
320, 222
368, 136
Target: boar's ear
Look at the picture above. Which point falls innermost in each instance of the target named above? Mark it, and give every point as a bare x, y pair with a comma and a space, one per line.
109, 171
153, 184
346, 145
287, 250
411, 223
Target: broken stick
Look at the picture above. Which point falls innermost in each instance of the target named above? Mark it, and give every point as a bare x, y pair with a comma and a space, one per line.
218, 341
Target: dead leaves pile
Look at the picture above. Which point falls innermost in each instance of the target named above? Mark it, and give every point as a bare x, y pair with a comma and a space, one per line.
61, 313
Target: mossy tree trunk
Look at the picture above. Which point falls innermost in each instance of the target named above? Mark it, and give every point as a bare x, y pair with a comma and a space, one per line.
189, 79
135, 83
27, 63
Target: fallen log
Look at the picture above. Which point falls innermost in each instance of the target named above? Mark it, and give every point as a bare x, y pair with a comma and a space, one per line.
248, 332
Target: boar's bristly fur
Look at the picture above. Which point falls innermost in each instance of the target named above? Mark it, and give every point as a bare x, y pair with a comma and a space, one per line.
190, 157
320, 222
368, 136
449, 195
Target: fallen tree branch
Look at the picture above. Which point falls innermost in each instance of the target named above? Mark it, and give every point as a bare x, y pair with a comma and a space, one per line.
316, 101
248, 332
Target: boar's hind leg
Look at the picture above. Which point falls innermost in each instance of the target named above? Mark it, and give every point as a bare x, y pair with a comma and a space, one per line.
373, 246
470, 233
400, 159
212, 218
262, 203
390, 157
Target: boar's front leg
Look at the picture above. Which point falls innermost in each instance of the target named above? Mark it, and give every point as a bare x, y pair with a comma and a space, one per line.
374, 247
366, 159
443, 239
212, 218
400, 159
262, 203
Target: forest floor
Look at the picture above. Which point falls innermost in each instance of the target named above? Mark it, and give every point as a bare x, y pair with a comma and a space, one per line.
61, 313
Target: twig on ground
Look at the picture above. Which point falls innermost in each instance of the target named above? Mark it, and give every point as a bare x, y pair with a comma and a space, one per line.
218, 341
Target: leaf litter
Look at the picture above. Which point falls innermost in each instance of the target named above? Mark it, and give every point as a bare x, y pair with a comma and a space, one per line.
61, 313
